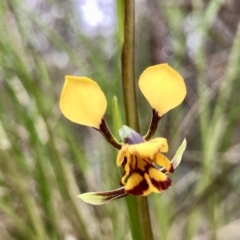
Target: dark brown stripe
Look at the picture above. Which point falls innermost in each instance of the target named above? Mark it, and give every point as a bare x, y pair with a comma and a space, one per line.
112, 193
153, 125
115, 197
161, 185
139, 189
103, 128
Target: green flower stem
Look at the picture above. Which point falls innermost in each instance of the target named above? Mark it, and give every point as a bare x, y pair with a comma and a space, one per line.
138, 207
128, 66
120, 16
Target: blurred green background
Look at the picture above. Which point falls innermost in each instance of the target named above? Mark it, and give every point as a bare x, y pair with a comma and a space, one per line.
46, 160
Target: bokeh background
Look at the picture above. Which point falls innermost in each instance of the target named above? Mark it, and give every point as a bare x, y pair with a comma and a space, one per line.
46, 160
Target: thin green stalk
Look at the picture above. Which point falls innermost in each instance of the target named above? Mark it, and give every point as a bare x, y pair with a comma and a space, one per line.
128, 66
142, 211
120, 14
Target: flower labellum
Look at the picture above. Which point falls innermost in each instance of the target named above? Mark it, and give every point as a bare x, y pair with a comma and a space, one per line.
140, 176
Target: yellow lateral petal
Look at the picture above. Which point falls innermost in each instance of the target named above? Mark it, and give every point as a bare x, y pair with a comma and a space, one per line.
163, 87
163, 161
159, 180
120, 156
178, 156
82, 101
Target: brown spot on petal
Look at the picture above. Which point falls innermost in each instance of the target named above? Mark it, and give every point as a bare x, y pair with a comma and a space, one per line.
161, 185
139, 189
171, 170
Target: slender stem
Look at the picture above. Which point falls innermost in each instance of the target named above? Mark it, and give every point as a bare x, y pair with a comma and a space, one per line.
153, 125
105, 131
128, 66
131, 116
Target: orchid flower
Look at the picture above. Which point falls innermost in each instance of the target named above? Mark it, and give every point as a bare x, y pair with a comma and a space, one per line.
145, 167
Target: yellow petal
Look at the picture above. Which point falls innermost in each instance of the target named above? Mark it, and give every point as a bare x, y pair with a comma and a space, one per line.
147, 149
151, 187
159, 180
137, 185
82, 101
160, 143
126, 167
163, 161
163, 87
140, 163
121, 155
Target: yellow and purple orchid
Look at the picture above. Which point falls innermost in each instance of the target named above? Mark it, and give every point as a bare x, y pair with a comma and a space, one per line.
145, 167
